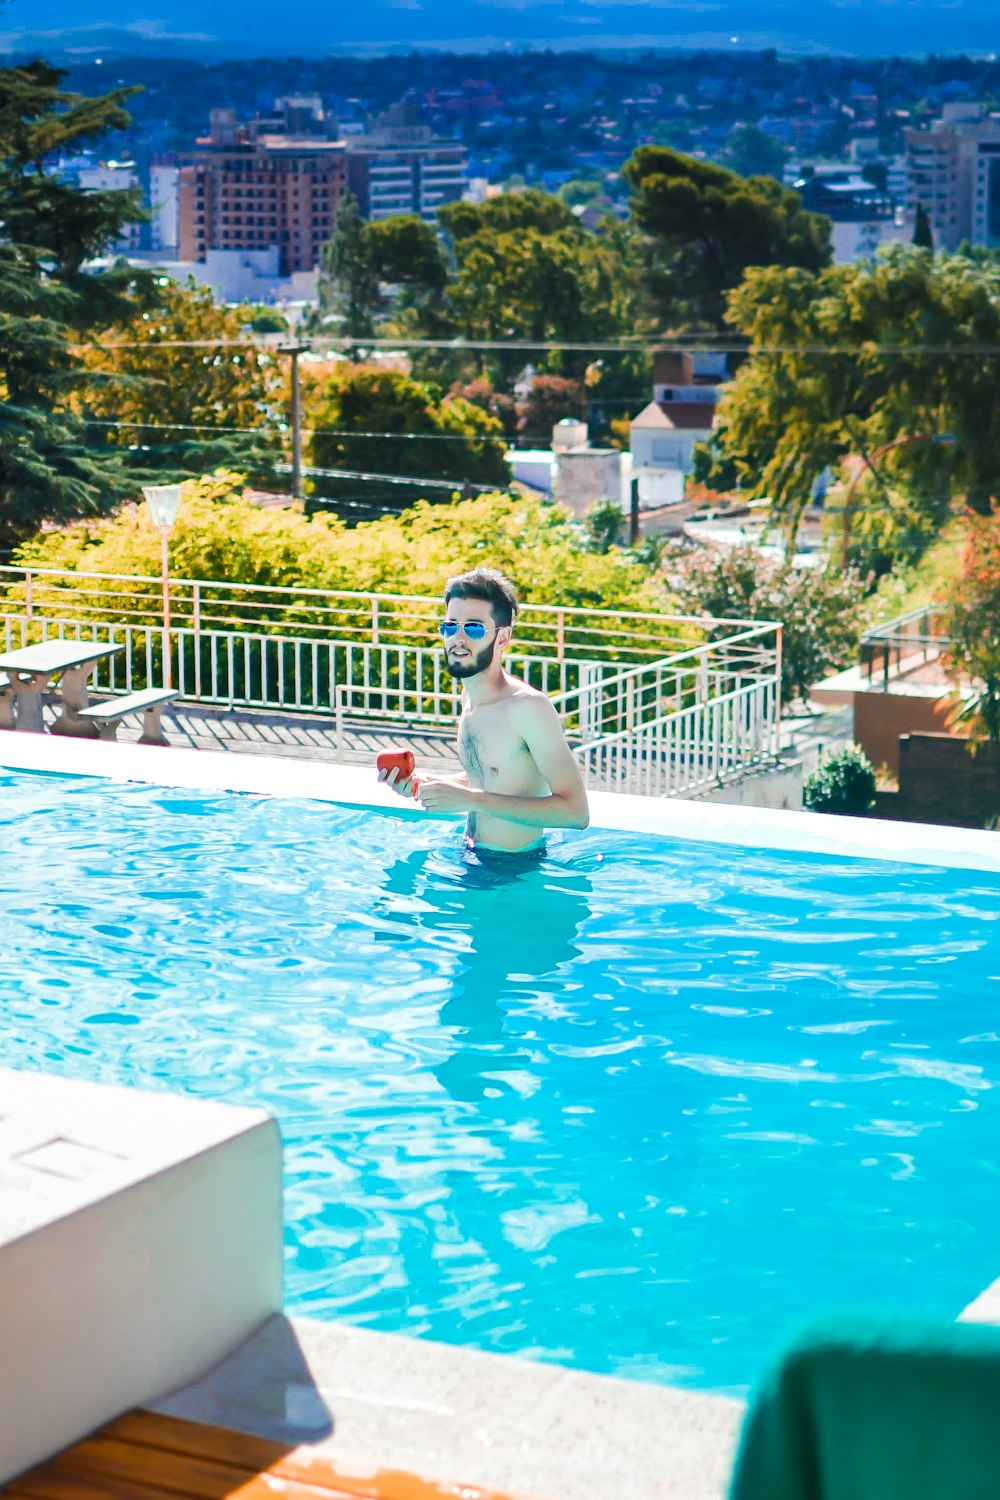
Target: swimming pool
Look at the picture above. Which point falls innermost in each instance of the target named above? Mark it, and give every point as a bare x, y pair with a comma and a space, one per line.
638, 1110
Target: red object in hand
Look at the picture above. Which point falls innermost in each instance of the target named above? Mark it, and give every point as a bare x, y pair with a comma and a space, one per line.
397, 760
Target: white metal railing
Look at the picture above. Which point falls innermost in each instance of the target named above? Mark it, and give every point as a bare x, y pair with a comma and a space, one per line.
546, 630
678, 754
665, 704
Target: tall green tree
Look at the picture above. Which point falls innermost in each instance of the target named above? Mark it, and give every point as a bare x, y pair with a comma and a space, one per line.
752, 152
356, 412
49, 301
404, 251
705, 225
171, 398
361, 258
844, 362
348, 286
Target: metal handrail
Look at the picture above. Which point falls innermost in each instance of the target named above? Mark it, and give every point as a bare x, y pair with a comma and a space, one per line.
689, 750
278, 588
610, 708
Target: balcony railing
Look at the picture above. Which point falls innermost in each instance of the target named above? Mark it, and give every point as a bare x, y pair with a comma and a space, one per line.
891, 650
653, 703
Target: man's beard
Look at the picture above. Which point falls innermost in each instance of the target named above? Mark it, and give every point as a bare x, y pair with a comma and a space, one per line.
479, 662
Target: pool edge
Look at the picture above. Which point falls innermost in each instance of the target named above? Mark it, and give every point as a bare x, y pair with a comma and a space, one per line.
356, 786
467, 1418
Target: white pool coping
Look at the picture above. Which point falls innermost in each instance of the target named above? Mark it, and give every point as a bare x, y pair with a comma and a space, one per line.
356, 786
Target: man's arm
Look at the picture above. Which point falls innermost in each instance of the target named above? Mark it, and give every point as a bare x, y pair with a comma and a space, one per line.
566, 806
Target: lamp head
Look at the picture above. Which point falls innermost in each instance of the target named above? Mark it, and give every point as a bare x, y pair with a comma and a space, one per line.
163, 501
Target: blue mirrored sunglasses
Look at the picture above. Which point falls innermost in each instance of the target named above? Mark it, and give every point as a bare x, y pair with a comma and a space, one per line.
475, 629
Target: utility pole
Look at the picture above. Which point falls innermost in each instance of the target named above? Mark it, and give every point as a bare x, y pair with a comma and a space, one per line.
294, 350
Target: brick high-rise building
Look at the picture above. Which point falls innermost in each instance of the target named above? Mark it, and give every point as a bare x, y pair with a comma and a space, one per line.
241, 190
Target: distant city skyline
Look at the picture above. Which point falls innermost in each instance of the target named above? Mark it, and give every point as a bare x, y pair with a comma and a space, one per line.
864, 28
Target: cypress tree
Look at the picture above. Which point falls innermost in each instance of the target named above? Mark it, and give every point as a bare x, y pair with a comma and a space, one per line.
923, 235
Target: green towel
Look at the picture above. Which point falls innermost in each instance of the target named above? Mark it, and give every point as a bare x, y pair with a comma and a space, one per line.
877, 1408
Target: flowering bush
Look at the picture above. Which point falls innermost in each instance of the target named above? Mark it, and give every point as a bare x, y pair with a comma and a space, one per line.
823, 613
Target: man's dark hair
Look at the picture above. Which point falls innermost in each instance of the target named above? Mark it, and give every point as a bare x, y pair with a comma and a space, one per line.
490, 585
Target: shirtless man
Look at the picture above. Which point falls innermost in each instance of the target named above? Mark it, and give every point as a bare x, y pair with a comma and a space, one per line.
519, 776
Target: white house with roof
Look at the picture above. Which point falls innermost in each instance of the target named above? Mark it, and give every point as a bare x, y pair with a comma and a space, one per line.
662, 438
682, 413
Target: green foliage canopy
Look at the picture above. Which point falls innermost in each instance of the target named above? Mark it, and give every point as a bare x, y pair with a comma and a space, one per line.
705, 225
752, 152
220, 536
186, 410
438, 439
860, 355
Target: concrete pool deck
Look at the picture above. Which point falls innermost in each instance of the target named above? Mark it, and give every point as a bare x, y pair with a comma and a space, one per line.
461, 1417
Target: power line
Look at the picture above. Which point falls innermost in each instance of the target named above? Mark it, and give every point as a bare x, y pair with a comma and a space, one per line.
341, 432
438, 484
687, 343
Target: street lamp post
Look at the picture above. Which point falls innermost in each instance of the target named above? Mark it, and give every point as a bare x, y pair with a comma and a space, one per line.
868, 462
163, 501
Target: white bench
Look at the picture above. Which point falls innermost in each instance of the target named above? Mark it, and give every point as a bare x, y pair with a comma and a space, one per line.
106, 717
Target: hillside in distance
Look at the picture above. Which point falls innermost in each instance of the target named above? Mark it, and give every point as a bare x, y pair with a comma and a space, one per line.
255, 28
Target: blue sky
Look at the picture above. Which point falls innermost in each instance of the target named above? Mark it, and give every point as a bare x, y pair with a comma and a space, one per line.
261, 27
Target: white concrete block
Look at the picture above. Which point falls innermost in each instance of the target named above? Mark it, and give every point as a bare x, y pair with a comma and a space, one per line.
140, 1242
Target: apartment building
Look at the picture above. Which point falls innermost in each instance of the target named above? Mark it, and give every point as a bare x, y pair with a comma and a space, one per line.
248, 189
954, 171
401, 167
164, 203
110, 177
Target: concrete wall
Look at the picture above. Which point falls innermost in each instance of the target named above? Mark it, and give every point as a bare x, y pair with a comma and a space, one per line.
140, 1243
778, 787
586, 475
880, 719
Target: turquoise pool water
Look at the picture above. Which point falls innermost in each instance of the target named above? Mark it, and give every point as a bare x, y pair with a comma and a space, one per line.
638, 1110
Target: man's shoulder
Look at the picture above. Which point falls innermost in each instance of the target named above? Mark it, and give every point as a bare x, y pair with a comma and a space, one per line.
523, 694
528, 705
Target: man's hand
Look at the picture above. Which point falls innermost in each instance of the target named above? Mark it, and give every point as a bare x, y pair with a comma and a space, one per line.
443, 796
402, 785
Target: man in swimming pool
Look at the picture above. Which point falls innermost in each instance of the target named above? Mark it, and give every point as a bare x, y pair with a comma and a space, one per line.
518, 774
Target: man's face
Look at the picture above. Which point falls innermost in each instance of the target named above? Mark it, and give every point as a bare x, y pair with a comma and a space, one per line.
465, 656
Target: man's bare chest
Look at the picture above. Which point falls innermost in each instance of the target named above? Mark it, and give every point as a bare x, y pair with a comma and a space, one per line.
489, 746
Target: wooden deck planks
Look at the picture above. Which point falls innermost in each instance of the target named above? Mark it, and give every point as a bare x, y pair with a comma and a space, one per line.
144, 1456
